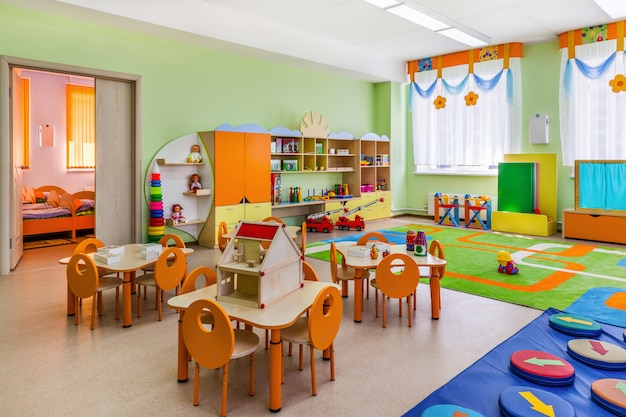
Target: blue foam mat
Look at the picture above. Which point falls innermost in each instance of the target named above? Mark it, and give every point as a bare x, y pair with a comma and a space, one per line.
478, 387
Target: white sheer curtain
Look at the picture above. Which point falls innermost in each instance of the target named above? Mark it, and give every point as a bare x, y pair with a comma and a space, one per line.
458, 135
593, 125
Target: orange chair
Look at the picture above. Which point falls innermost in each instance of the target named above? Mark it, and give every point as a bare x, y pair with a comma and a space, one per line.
341, 275
84, 282
436, 249
266, 245
169, 271
303, 238
168, 240
396, 283
318, 330
363, 240
309, 275
91, 245
216, 347
190, 284
222, 241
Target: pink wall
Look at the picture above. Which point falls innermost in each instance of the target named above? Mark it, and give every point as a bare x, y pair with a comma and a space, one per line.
47, 107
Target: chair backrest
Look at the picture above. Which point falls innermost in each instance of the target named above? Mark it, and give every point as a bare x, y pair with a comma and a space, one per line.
82, 275
436, 248
88, 245
333, 262
221, 241
395, 282
372, 236
274, 219
172, 240
303, 238
210, 348
325, 318
189, 284
309, 272
170, 268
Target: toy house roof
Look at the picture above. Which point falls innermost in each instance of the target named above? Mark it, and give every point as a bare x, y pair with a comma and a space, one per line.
265, 231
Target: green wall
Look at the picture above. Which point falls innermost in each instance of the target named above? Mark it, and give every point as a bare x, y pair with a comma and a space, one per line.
186, 88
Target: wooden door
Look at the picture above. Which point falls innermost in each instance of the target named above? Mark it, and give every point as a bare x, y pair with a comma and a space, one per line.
118, 168
17, 130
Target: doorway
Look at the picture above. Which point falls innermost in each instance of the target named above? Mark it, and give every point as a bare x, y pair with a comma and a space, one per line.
118, 164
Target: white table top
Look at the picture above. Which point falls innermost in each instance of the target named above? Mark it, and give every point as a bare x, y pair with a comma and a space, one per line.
130, 260
367, 262
276, 315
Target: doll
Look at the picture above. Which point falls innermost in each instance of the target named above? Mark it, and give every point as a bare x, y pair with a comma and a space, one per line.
177, 214
195, 156
194, 183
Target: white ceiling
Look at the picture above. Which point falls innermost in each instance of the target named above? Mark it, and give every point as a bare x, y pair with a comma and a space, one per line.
347, 37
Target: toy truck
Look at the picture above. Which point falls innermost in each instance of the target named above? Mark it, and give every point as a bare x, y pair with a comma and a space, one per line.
344, 223
320, 222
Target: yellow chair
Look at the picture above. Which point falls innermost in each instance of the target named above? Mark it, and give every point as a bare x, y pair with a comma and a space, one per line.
436, 249
396, 283
341, 275
169, 271
84, 282
365, 239
216, 347
318, 330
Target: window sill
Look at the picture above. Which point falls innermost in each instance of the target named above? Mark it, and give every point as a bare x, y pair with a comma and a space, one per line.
458, 171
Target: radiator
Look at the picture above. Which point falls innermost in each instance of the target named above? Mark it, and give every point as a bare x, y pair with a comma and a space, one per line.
431, 204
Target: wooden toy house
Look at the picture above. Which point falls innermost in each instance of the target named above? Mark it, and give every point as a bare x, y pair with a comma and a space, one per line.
265, 265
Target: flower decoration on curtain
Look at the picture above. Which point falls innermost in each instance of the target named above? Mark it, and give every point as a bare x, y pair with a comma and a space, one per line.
590, 107
458, 137
471, 98
440, 102
618, 83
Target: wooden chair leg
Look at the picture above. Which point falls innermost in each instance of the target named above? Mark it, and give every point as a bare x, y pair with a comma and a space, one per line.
408, 311
313, 376
196, 384
139, 299
332, 362
117, 303
384, 311
160, 304
376, 296
93, 310
224, 390
76, 312
301, 366
251, 374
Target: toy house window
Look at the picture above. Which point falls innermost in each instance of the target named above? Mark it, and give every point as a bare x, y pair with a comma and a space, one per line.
81, 126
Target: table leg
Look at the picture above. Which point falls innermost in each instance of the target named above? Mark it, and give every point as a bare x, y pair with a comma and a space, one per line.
275, 371
344, 289
183, 362
358, 294
129, 277
71, 302
434, 296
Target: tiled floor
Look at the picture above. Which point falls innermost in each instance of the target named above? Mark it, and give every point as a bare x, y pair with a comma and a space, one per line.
51, 367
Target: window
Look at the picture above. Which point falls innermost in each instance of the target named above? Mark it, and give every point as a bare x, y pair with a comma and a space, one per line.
591, 109
465, 121
81, 126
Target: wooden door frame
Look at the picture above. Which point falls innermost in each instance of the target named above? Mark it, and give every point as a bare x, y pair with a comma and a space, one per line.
6, 175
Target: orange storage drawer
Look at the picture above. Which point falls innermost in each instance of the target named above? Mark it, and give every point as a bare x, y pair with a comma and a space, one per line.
600, 227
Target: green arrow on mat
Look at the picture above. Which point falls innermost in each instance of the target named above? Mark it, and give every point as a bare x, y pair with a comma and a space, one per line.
621, 386
544, 362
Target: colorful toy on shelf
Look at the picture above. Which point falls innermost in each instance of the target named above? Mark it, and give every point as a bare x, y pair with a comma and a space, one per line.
194, 183
156, 228
450, 205
195, 157
177, 214
320, 222
344, 223
506, 264
474, 207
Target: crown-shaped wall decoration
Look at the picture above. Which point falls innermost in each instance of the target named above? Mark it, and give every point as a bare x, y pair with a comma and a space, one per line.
314, 125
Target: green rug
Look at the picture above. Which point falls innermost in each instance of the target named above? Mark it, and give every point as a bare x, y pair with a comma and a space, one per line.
579, 278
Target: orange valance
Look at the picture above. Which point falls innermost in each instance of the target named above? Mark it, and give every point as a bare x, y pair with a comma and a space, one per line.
573, 38
503, 51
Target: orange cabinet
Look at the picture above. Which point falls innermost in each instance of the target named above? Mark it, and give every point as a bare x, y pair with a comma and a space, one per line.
241, 175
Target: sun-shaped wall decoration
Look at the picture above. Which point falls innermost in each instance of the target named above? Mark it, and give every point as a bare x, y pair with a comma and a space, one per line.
314, 125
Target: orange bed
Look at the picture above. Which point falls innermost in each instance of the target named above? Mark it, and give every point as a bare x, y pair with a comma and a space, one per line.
50, 209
